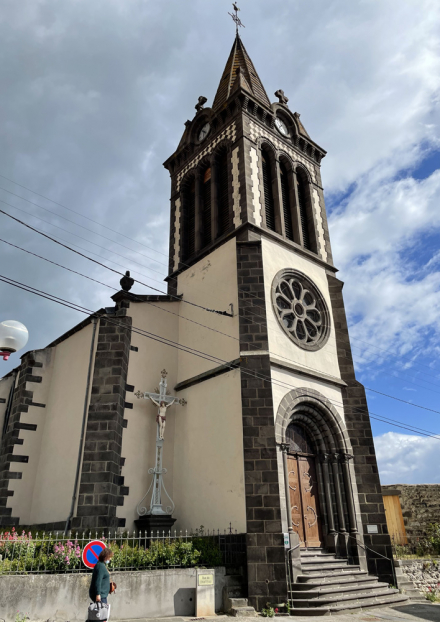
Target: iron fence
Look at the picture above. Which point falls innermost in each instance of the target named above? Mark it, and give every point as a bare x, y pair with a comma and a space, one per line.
54, 552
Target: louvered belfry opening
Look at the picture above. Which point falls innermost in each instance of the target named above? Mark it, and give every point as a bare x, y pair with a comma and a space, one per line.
302, 205
223, 194
189, 219
287, 210
206, 207
268, 193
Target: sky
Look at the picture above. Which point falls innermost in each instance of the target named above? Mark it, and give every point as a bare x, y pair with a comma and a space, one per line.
94, 99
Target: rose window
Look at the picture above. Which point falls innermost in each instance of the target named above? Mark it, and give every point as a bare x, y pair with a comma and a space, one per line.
300, 309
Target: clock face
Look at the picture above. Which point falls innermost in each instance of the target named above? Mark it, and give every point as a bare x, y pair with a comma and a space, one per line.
204, 132
281, 127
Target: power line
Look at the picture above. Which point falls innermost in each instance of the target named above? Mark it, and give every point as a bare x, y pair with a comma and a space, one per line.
209, 357
251, 294
140, 243
108, 268
79, 214
203, 325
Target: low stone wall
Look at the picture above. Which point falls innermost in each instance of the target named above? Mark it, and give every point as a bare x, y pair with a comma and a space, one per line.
424, 573
64, 597
420, 505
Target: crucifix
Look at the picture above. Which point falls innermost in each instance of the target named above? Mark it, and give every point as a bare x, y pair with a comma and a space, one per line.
163, 401
235, 17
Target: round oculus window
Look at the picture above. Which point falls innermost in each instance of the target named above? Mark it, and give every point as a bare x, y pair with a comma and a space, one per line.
300, 309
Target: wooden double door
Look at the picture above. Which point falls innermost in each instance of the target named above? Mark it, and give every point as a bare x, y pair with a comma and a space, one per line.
304, 501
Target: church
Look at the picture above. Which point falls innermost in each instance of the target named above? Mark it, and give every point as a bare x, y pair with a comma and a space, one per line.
231, 399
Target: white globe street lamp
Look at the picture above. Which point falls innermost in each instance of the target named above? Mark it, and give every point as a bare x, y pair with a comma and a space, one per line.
13, 336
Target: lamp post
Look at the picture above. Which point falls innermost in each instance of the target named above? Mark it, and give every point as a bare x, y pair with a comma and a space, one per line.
13, 337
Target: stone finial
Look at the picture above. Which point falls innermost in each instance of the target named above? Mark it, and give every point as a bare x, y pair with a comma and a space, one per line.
202, 101
126, 282
281, 97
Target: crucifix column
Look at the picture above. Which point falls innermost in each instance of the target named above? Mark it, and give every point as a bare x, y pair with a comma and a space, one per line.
154, 516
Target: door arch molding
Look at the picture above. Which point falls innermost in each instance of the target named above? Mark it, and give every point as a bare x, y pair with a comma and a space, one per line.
338, 491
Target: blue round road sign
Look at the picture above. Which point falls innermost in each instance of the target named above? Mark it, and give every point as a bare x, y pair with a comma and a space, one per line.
91, 553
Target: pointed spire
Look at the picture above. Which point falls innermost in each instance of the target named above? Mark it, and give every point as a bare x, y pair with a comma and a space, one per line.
239, 71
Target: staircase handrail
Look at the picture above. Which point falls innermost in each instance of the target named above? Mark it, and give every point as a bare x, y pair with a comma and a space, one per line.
365, 547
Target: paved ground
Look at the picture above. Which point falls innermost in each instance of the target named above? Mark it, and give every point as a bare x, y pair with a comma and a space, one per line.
405, 613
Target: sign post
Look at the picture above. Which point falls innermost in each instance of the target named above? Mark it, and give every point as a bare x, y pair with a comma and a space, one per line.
205, 593
91, 553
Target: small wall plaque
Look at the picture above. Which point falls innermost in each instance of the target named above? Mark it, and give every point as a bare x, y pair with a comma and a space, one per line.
372, 529
286, 541
206, 579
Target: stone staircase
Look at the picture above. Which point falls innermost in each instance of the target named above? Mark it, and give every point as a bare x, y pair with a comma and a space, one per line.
235, 602
329, 585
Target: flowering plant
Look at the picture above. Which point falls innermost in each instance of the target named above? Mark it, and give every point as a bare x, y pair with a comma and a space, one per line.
11, 544
66, 555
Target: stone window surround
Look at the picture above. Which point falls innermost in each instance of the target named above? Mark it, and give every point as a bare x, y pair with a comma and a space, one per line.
294, 168
196, 173
321, 306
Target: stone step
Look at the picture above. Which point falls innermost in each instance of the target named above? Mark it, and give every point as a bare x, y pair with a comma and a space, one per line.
239, 602
243, 612
315, 552
322, 561
335, 567
326, 599
338, 590
366, 603
327, 576
335, 584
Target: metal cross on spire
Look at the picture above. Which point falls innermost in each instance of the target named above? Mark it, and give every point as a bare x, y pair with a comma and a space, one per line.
235, 17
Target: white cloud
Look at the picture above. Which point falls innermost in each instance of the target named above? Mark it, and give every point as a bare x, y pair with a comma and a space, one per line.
392, 301
407, 459
96, 94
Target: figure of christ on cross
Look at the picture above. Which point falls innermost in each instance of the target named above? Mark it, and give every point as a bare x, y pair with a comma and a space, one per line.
162, 401
161, 416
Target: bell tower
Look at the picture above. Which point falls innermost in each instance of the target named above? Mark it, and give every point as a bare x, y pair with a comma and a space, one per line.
242, 165
246, 177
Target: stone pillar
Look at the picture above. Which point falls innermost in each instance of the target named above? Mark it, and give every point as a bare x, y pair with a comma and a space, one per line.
284, 449
339, 504
198, 210
331, 536
349, 492
214, 198
100, 484
267, 580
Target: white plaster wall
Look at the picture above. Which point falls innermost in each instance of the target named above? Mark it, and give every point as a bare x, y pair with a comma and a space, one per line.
139, 438
203, 450
5, 389
211, 283
58, 454
208, 456
297, 381
276, 258
23, 489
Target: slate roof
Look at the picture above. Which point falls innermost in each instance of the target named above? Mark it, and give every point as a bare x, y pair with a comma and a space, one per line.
239, 66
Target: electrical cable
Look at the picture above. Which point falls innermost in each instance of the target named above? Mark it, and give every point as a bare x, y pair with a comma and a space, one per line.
203, 325
193, 304
133, 240
195, 352
265, 319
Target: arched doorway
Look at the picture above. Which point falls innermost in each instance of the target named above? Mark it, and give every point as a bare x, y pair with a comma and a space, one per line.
303, 486
316, 448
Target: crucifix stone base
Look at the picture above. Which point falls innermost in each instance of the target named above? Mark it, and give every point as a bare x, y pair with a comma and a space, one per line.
153, 525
